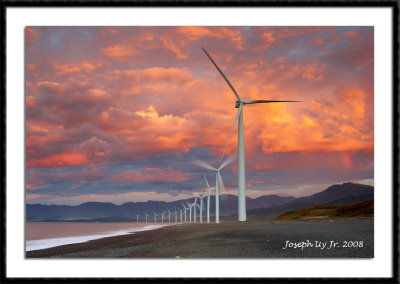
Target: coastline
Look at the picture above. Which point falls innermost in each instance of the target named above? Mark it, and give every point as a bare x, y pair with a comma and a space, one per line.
40, 244
230, 239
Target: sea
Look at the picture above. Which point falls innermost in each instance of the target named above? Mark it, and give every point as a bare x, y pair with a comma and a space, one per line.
42, 235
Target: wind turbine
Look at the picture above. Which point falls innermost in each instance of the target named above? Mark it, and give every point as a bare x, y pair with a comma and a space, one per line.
176, 216
201, 207
180, 211
145, 214
155, 217
241, 159
185, 208
169, 216
137, 218
162, 217
218, 180
194, 204
208, 200
190, 212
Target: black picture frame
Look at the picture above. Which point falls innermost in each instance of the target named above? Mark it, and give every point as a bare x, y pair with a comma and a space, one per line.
394, 5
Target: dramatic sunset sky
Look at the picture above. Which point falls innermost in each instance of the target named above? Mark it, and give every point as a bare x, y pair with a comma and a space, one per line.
117, 114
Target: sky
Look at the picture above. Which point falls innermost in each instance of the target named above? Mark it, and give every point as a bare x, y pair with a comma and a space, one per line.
119, 114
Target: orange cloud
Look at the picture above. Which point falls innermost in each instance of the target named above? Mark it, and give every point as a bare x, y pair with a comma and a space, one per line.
154, 174
118, 51
109, 31
194, 31
31, 33
59, 160
71, 68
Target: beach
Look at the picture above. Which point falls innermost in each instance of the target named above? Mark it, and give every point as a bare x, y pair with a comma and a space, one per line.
336, 238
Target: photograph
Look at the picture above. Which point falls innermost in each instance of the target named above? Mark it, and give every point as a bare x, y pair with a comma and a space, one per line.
199, 142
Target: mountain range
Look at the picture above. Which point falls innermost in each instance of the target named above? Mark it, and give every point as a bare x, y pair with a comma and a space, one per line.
267, 206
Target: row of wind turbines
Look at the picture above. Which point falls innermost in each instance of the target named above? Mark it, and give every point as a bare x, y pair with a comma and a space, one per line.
182, 212
240, 103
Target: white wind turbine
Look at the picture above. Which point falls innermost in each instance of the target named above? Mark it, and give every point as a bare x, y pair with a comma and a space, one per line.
241, 159
137, 218
155, 217
218, 180
185, 208
194, 204
180, 211
201, 206
190, 211
176, 216
208, 200
145, 214
169, 216
162, 217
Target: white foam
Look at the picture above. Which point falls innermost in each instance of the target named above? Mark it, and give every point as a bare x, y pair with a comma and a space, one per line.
55, 242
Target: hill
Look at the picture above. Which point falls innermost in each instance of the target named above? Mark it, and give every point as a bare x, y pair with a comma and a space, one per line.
109, 212
338, 194
267, 206
356, 209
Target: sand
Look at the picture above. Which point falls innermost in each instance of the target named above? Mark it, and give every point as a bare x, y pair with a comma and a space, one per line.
254, 239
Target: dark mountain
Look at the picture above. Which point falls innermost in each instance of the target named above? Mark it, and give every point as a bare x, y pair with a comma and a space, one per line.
100, 211
338, 194
267, 206
339, 191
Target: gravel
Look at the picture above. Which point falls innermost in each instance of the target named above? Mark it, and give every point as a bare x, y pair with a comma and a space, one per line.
232, 240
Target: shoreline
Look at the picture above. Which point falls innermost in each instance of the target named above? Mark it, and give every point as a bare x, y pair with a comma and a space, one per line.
229, 239
41, 244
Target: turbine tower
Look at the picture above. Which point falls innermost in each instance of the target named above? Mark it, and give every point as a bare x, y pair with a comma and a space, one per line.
218, 180
194, 204
180, 211
185, 208
155, 217
190, 205
241, 159
201, 206
145, 214
208, 200
176, 216
169, 216
137, 218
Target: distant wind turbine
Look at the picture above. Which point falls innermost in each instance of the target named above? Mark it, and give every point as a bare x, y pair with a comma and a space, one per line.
218, 180
169, 216
201, 206
137, 218
162, 217
185, 208
145, 214
190, 212
180, 211
208, 200
155, 217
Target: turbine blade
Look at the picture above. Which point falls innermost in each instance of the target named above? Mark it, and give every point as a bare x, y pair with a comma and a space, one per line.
227, 162
268, 101
203, 165
220, 181
233, 126
222, 74
206, 182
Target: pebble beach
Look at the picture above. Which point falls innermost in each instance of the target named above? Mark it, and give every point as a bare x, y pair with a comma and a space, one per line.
343, 238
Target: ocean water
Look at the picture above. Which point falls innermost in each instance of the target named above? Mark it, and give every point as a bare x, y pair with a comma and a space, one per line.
42, 235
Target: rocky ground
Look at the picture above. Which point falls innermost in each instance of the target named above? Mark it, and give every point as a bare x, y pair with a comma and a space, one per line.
255, 239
